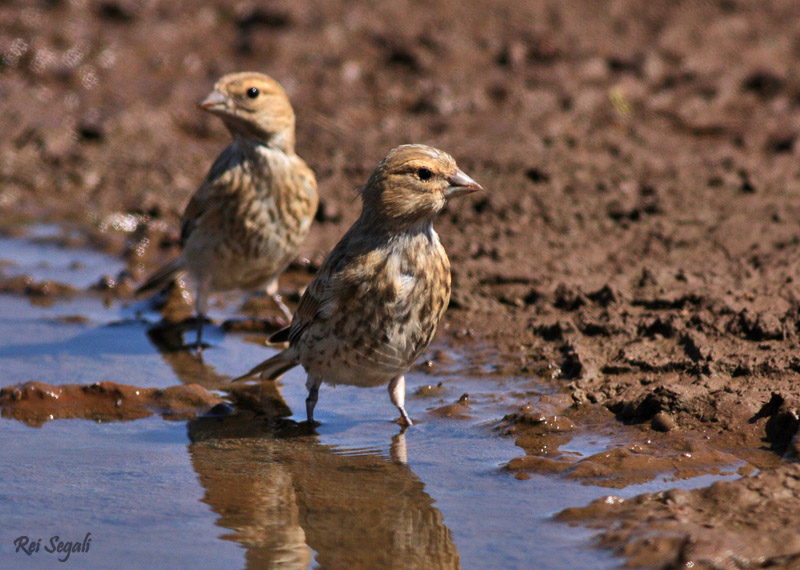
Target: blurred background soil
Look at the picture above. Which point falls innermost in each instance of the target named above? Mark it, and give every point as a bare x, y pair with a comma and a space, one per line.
637, 240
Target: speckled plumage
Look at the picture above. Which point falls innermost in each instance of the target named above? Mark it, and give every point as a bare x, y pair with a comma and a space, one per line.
254, 209
374, 305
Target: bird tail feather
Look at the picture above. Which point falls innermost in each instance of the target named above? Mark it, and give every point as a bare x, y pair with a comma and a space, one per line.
162, 277
271, 368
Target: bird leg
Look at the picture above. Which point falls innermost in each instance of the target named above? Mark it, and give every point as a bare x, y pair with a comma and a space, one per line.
397, 393
313, 394
272, 291
282, 306
199, 344
201, 306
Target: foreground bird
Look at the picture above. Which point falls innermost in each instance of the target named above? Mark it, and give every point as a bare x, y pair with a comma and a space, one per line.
252, 212
374, 305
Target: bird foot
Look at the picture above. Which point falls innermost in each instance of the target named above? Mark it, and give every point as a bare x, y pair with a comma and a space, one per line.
404, 419
310, 425
404, 422
198, 351
287, 314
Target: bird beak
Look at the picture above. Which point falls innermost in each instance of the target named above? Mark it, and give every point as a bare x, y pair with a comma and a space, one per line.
461, 185
215, 101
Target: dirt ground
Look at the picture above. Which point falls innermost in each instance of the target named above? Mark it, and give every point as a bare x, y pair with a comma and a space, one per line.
636, 244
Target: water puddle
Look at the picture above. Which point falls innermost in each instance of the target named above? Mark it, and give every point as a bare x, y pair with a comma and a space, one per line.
42, 254
253, 488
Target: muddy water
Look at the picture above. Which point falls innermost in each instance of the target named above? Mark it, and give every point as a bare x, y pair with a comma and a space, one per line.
250, 487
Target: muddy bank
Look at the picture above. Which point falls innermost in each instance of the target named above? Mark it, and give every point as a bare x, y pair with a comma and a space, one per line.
35, 403
750, 523
621, 457
637, 242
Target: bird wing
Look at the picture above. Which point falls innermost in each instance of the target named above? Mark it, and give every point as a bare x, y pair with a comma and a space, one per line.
215, 189
316, 296
321, 293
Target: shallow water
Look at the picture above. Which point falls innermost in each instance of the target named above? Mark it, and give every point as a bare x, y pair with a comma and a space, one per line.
254, 489
41, 255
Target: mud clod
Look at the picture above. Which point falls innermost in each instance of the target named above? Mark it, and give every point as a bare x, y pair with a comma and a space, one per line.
662, 421
36, 402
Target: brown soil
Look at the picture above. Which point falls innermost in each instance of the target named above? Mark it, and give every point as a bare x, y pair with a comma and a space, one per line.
749, 523
37, 402
636, 243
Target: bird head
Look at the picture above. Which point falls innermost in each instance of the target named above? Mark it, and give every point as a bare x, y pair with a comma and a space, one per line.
413, 184
254, 106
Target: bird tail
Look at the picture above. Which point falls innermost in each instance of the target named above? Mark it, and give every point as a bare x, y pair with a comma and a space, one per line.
164, 276
272, 368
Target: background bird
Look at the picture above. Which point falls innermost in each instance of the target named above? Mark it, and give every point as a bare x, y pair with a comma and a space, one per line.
374, 305
247, 220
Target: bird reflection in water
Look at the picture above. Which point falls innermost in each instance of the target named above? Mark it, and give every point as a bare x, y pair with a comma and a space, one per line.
284, 495
287, 498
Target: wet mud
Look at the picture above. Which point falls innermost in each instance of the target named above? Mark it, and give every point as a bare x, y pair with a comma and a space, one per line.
36, 402
727, 525
635, 250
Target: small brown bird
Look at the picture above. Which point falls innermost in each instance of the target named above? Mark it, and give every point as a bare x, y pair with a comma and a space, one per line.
252, 212
374, 305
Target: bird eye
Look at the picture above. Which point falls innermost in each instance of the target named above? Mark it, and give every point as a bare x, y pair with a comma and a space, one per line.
424, 173
253, 92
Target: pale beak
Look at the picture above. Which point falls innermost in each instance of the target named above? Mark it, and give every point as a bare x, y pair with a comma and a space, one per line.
461, 185
215, 101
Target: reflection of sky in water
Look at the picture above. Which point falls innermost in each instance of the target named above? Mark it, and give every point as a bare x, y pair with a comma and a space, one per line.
130, 484
50, 262
151, 504
36, 344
